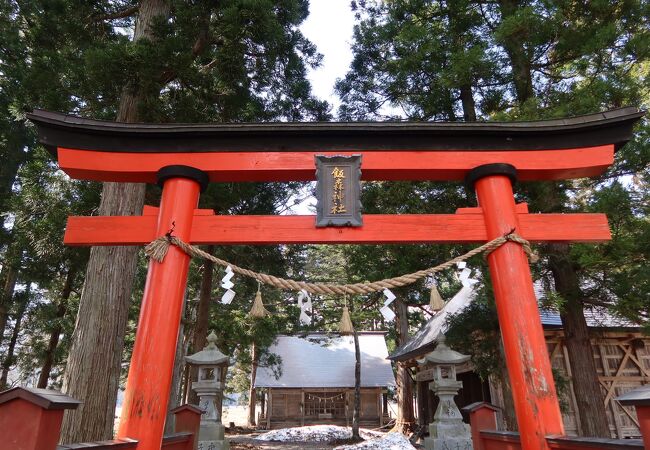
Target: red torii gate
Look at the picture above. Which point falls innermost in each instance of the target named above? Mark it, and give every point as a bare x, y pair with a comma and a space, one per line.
488, 156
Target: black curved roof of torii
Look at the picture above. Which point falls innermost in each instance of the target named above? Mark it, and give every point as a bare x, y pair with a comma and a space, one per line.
66, 131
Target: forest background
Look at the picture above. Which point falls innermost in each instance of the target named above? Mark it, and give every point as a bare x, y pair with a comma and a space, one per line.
246, 61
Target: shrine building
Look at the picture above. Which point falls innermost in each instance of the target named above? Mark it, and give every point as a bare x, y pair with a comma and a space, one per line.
314, 381
620, 349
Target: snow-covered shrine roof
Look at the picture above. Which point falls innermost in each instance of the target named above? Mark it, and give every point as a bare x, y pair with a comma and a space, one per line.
426, 336
322, 361
425, 339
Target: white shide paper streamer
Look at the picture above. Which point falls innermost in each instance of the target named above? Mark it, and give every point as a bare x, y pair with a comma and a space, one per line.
385, 310
304, 302
227, 285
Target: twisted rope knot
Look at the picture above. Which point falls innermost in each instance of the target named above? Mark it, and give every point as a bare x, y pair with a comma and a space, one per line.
514, 237
532, 255
158, 248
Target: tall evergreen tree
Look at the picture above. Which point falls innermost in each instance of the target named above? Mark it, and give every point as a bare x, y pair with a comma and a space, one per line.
37, 70
153, 60
523, 60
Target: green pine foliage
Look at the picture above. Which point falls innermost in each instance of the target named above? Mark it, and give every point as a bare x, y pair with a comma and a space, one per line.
246, 60
232, 61
512, 60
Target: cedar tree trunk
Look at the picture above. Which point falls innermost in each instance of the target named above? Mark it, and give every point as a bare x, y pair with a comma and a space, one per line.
589, 396
405, 413
508, 412
356, 414
94, 363
175, 388
469, 106
518, 55
57, 329
8, 278
199, 338
9, 357
252, 395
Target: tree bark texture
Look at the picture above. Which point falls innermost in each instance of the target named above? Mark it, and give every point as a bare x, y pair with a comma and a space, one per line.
9, 277
405, 413
518, 55
356, 414
422, 401
9, 357
465, 84
175, 388
94, 363
509, 416
57, 329
469, 105
200, 335
13, 155
220, 396
589, 396
252, 394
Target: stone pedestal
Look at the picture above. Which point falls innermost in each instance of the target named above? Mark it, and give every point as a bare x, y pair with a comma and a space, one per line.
447, 431
213, 437
212, 366
212, 431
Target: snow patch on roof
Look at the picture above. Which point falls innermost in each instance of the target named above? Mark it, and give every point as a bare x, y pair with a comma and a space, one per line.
425, 338
429, 333
318, 360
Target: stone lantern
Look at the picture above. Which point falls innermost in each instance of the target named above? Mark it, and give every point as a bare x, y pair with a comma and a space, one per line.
211, 364
447, 431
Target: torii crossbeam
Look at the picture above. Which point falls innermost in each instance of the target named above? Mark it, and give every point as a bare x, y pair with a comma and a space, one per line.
489, 156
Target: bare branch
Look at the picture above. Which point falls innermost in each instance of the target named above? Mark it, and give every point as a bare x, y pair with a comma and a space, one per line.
128, 12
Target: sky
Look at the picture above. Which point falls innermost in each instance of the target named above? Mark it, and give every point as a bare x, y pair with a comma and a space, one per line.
329, 27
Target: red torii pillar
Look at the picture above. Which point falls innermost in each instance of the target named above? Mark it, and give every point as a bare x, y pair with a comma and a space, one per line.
527, 359
92, 150
149, 382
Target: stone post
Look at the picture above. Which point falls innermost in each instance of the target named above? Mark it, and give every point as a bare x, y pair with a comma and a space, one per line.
447, 431
208, 387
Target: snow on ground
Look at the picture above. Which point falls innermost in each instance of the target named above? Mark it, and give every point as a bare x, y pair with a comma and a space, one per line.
235, 413
392, 441
314, 433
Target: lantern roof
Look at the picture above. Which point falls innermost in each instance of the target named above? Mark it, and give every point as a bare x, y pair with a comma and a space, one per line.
210, 355
445, 355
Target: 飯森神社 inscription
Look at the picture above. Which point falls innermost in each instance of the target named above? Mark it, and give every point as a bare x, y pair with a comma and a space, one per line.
338, 191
